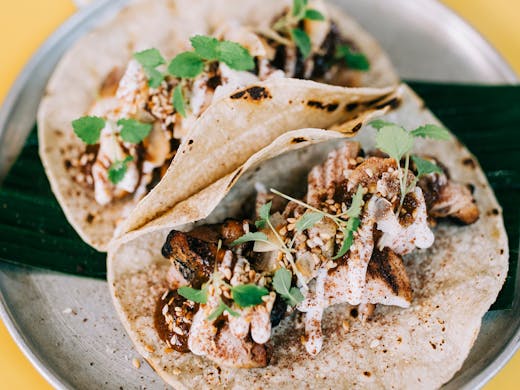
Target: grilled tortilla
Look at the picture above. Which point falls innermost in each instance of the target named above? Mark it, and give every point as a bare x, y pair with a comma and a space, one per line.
454, 282
90, 70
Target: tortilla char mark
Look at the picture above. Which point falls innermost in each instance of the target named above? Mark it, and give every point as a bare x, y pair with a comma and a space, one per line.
255, 93
329, 107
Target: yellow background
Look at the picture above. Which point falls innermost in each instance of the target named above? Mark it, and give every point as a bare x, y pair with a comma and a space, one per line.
24, 25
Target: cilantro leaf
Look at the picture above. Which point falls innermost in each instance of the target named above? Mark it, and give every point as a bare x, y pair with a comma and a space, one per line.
186, 65
308, 220
298, 8
117, 170
150, 59
357, 202
394, 141
192, 294
425, 167
357, 61
302, 41
221, 308
235, 56
312, 14
263, 213
348, 236
178, 101
133, 131
282, 284
88, 128
432, 131
248, 237
380, 123
246, 295
205, 47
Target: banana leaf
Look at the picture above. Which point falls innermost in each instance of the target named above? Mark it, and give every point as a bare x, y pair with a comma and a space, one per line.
34, 231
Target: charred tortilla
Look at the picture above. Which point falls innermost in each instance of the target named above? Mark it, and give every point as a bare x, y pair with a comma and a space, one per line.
454, 283
88, 70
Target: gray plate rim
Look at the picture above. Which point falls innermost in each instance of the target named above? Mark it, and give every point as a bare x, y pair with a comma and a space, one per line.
103, 7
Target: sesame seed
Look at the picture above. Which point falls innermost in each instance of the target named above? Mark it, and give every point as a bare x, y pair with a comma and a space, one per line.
346, 325
136, 362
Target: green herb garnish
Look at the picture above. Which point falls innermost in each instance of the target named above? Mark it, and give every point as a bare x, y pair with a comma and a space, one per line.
308, 220
302, 41
150, 59
263, 213
190, 64
282, 281
221, 308
433, 132
117, 170
398, 143
312, 14
347, 222
133, 131
186, 65
357, 61
251, 237
235, 56
178, 101
246, 295
288, 24
88, 128
193, 294
205, 47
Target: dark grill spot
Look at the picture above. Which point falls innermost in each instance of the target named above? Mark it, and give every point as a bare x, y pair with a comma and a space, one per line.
354, 313
351, 106
322, 106
89, 218
469, 162
356, 128
256, 93
393, 103
298, 140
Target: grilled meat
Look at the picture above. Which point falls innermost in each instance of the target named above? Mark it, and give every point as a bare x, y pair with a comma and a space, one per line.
193, 254
172, 319
387, 281
236, 341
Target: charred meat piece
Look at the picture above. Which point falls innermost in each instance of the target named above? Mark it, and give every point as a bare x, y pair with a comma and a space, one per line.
172, 319
192, 254
387, 281
445, 198
325, 180
233, 341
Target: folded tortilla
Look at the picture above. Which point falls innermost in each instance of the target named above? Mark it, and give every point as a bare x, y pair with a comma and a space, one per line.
454, 282
166, 25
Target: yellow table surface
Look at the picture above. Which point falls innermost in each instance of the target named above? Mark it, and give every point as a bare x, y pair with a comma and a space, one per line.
25, 24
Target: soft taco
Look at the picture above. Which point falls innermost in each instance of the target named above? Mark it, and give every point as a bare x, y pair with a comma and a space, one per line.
370, 265
116, 112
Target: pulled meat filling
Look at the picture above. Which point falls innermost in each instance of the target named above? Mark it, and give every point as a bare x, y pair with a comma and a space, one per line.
128, 95
371, 272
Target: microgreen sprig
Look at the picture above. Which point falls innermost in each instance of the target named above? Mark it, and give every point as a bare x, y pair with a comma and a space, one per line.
352, 59
244, 295
190, 64
117, 170
398, 143
287, 25
347, 222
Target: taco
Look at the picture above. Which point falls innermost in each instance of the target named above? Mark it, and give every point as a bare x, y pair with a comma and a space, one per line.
115, 112
368, 265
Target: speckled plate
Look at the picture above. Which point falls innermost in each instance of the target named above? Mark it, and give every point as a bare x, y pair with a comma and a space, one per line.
66, 325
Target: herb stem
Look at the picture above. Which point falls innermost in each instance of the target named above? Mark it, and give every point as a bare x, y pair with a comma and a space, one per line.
299, 202
288, 254
403, 179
